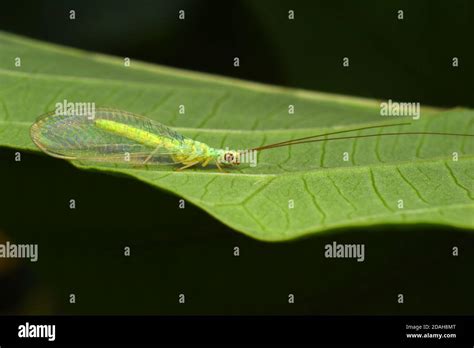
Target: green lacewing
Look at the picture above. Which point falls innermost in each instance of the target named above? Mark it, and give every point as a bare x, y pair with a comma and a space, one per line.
117, 136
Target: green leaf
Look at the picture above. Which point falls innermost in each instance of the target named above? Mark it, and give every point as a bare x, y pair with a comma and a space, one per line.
325, 191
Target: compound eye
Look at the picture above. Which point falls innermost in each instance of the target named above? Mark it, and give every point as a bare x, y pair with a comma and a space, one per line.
229, 157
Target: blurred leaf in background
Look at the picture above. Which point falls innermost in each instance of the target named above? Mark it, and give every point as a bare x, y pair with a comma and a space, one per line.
409, 59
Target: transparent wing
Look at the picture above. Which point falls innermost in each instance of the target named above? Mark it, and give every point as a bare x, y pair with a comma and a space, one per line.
78, 137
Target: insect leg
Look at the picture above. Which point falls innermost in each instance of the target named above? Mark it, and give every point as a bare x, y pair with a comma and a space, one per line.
206, 162
188, 165
220, 168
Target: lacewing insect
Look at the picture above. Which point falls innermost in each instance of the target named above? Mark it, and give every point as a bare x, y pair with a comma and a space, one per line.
117, 136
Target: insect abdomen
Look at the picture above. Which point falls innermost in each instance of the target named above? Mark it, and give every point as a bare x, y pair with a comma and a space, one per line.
140, 136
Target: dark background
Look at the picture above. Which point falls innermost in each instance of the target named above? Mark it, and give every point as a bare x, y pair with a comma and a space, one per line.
185, 251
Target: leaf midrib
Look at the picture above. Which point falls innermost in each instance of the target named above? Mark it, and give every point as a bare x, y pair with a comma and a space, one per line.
437, 160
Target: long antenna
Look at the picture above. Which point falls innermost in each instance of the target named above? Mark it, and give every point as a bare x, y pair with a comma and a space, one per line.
289, 142
271, 146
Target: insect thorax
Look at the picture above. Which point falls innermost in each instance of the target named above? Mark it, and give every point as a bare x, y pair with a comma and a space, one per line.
193, 150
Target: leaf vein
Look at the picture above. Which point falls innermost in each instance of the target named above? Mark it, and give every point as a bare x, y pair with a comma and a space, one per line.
315, 202
374, 186
215, 109
411, 185
450, 170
